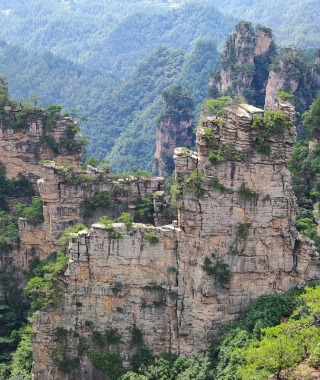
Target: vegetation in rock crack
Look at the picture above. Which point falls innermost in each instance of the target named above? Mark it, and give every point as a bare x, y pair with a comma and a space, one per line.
305, 168
152, 238
71, 231
246, 192
218, 270
44, 287
272, 123
33, 212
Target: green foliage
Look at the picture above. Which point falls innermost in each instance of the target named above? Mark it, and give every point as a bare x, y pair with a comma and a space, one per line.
142, 357
278, 333
243, 230
50, 142
136, 336
125, 218
267, 310
176, 190
153, 239
194, 182
108, 223
72, 176
217, 186
305, 168
22, 357
92, 161
271, 123
220, 270
144, 211
109, 362
33, 212
311, 118
315, 356
284, 96
64, 240
65, 363
209, 136
224, 152
179, 105
72, 141
20, 187
215, 156
98, 339
9, 233
99, 201
44, 289
113, 336
246, 192
217, 106
60, 333
171, 367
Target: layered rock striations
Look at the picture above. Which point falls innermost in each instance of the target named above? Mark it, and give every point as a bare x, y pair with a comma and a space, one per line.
244, 61
25, 140
173, 288
71, 196
253, 67
174, 129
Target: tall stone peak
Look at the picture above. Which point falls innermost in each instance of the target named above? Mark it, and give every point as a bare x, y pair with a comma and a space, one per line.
174, 129
254, 68
242, 72
179, 284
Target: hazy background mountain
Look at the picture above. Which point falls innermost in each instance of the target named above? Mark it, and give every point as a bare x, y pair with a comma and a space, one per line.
110, 60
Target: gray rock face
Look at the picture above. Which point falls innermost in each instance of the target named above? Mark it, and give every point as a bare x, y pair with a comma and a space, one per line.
178, 285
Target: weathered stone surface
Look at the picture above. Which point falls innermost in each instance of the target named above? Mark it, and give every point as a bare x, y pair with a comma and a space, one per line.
252, 68
21, 150
174, 129
163, 288
241, 71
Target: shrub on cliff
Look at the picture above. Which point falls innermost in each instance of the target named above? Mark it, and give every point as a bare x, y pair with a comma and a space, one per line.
311, 118
64, 240
33, 212
44, 288
171, 367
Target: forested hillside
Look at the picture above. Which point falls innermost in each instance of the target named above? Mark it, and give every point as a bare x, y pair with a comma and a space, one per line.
110, 37
100, 58
294, 23
105, 61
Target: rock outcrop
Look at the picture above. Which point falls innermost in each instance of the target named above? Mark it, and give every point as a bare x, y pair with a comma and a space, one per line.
252, 68
71, 196
173, 288
244, 61
174, 129
22, 147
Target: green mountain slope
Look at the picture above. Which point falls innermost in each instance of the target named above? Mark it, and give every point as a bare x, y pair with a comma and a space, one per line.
136, 144
108, 36
294, 23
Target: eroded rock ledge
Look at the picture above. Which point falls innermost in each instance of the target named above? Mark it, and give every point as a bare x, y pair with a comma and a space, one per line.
179, 284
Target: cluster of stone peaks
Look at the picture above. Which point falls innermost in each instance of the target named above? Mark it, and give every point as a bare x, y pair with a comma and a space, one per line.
253, 67
178, 280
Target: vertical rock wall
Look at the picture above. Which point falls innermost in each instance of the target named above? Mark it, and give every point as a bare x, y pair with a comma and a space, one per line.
179, 285
252, 67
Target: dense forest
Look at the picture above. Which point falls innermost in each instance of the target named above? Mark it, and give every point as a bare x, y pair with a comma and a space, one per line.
89, 57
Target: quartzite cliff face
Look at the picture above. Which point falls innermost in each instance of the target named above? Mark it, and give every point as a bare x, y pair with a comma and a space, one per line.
178, 284
254, 68
174, 129
173, 285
